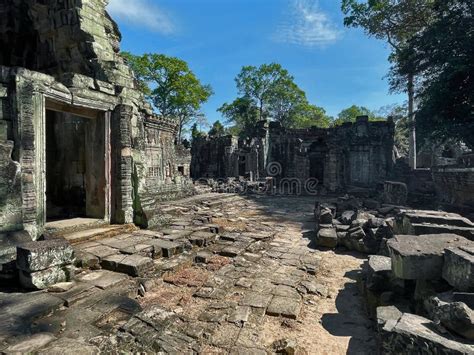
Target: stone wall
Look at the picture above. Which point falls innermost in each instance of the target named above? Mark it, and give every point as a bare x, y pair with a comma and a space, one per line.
455, 184
64, 56
354, 154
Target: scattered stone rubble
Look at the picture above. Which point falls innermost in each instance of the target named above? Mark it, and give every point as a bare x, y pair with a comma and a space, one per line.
418, 278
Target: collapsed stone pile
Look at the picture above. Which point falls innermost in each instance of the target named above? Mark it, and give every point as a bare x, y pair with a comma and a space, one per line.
419, 281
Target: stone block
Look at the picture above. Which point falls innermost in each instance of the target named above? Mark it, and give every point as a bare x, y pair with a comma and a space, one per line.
458, 269
379, 272
421, 257
455, 316
347, 217
412, 333
167, 248
133, 265
37, 256
327, 237
254, 299
202, 238
41, 280
285, 307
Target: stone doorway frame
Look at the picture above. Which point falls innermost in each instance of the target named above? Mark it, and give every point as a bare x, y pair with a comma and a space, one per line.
89, 114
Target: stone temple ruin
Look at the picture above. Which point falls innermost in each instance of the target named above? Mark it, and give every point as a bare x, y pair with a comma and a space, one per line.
354, 154
113, 237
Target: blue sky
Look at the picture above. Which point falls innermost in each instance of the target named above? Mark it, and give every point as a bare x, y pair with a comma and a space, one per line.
336, 66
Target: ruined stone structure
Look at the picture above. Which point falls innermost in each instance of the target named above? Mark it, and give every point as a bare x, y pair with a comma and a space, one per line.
76, 136
354, 154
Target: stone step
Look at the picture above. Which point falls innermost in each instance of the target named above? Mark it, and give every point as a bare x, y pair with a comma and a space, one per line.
107, 231
67, 226
442, 218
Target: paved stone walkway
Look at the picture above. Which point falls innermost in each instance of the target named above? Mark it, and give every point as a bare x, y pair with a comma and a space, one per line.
226, 275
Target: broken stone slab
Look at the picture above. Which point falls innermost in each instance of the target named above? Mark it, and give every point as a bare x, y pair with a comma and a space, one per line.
411, 333
86, 260
313, 288
41, 280
61, 287
387, 314
37, 256
421, 257
255, 299
347, 217
103, 279
202, 238
455, 316
203, 257
167, 248
101, 251
378, 273
285, 307
327, 237
458, 269
417, 222
325, 216
133, 265
464, 297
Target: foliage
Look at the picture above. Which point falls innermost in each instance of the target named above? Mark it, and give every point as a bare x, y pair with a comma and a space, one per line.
269, 91
351, 113
170, 85
217, 130
196, 133
443, 55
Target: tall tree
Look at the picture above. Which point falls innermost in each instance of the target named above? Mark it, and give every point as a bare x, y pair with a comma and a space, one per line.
443, 55
217, 129
395, 21
171, 86
351, 113
269, 91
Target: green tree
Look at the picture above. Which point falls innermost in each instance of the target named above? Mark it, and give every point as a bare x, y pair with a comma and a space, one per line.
311, 116
242, 114
217, 130
351, 113
395, 21
443, 55
170, 85
196, 133
269, 91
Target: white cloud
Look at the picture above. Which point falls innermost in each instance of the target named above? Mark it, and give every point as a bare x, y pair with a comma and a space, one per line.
307, 26
141, 13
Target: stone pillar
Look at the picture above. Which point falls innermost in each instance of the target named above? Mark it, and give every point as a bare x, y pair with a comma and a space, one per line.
121, 166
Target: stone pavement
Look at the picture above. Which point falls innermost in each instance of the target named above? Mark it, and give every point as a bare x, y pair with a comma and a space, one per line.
228, 275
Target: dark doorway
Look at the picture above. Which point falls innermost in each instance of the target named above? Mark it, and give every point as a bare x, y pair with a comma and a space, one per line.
75, 166
242, 165
316, 168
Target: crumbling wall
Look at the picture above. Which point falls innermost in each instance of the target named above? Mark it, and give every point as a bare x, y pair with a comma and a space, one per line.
70, 50
455, 185
354, 154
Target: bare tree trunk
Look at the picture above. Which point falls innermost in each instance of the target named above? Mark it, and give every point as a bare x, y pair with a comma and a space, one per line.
411, 121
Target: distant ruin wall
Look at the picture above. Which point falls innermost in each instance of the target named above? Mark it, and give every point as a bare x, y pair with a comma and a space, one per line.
354, 154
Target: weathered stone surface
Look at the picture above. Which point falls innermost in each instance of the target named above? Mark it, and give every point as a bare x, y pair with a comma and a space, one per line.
411, 333
202, 238
327, 238
379, 272
133, 265
284, 306
254, 299
395, 192
347, 217
103, 278
37, 256
421, 257
458, 267
32, 344
240, 314
61, 287
418, 222
45, 278
167, 248
387, 314
455, 316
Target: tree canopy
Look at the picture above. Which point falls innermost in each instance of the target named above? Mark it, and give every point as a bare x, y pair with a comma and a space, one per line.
269, 92
170, 85
443, 55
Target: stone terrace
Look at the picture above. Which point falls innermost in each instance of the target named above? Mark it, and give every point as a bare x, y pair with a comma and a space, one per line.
223, 274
